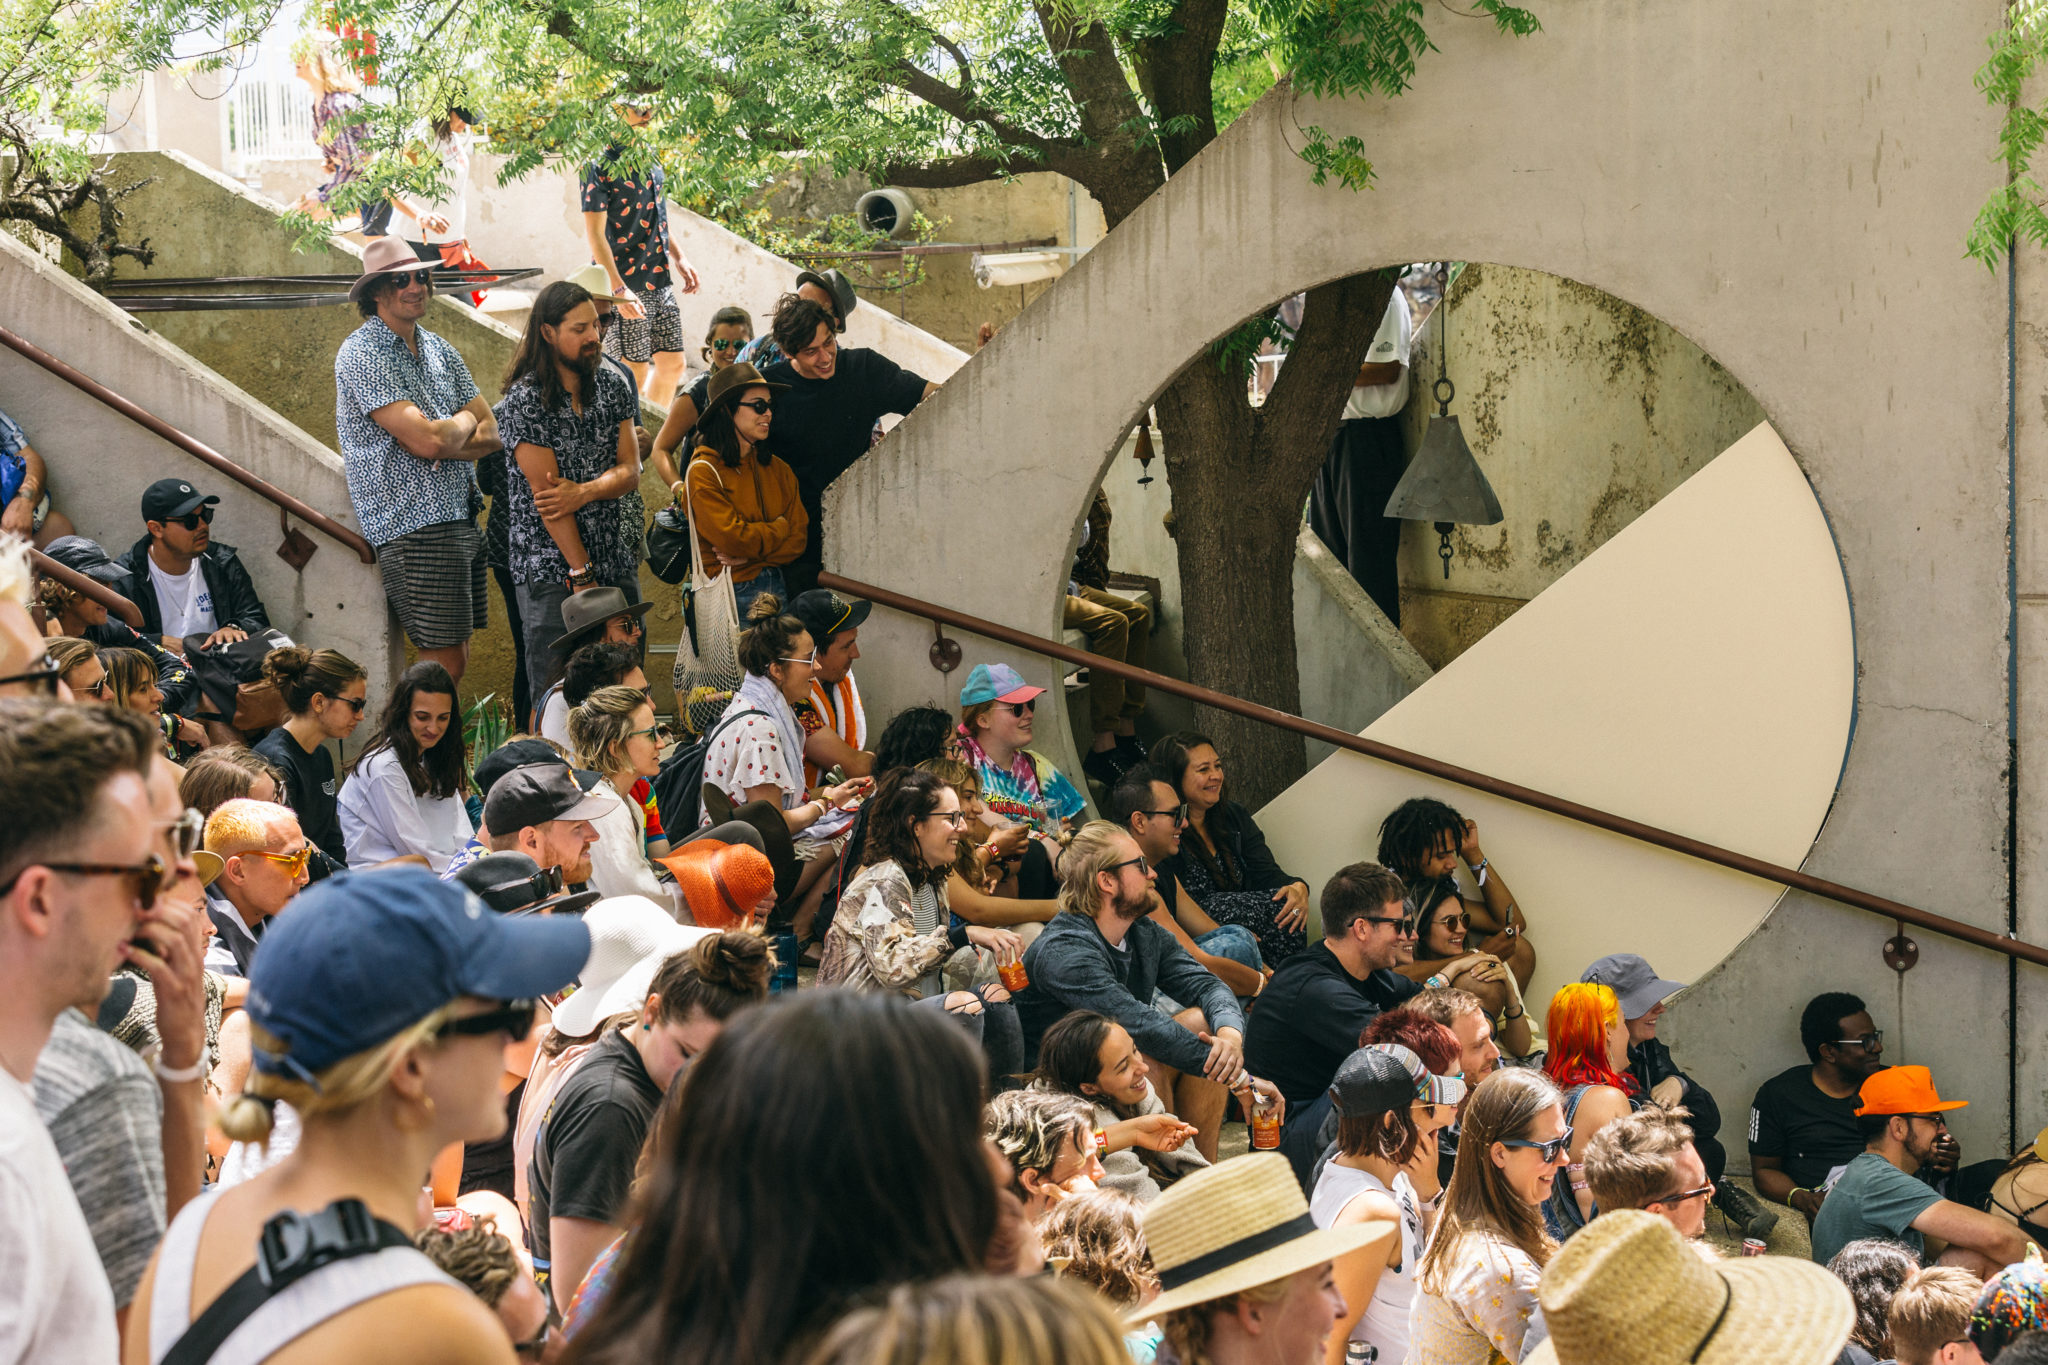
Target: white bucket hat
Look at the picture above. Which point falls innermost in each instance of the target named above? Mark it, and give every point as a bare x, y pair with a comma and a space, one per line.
630, 937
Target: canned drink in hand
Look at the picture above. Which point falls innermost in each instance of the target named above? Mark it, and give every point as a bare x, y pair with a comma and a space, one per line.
1753, 1246
1011, 974
1265, 1126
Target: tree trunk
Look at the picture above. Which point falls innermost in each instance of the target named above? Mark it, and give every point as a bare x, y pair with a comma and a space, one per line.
1240, 477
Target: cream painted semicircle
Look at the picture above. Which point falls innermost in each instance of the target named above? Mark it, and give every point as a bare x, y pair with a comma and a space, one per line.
1696, 672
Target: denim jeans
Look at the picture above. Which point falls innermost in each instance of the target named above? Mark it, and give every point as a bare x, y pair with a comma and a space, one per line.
540, 617
768, 580
1233, 941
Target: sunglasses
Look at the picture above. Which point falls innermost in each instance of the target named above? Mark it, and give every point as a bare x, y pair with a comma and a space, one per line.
1549, 1150
808, 661
1869, 1042
543, 884
1407, 925
728, 344
292, 864
186, 832
660, 734
96, 689
1701, 1193
1117, 869
355, 704
1178, 814
607, 320
193, 520
760, 405
408, 277
1020, 708
514, 1017
146, 878
44, 677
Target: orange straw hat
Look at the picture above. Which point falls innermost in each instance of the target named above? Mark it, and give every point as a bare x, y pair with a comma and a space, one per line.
1903, 1090
721, 882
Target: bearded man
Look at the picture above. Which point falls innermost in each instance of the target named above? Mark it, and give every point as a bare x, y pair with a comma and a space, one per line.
574, 508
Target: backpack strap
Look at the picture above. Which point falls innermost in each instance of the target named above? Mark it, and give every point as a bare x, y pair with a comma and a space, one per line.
292, 1247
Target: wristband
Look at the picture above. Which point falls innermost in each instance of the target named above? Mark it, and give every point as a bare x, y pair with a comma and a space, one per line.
1437, 981
1516, 1015
178, 1075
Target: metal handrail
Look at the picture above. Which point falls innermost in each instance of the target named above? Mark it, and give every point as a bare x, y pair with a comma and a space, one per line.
91, 587
1451, 772
320, 521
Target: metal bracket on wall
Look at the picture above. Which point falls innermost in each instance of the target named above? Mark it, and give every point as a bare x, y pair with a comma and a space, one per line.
945, 653
298, 547
1901, 953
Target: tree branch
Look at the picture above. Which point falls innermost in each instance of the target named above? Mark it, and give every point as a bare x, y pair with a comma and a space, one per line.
962, 105
945, 174
1338, 322
1177, 71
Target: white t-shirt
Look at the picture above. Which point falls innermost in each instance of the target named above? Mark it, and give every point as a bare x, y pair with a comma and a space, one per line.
187, 605
1384, 1325
54, 1300
454, 152
1390, 345
381, 817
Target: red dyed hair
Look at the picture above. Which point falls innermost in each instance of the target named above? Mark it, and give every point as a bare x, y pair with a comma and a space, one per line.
1577, 1024
1426, 1038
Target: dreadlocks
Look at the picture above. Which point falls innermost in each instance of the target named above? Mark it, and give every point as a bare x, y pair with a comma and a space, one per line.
1411, 833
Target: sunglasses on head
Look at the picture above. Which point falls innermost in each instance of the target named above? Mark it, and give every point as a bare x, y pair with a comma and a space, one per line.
514, 1017
1549, 1150
146, 878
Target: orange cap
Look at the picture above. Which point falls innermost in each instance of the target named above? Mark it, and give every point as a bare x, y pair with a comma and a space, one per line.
721, 882
1903, 1090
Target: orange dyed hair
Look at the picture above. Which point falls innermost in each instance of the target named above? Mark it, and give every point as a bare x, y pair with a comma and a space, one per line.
1580, 1015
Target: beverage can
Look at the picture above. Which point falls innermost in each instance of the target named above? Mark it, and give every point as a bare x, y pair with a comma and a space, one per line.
1011, 974
1753, 1246
1265, 1126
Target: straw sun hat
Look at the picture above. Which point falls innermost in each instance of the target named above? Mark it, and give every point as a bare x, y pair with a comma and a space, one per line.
1627, 1290
1234, 1226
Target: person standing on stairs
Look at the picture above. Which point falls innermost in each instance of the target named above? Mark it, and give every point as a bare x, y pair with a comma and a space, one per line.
1117, 628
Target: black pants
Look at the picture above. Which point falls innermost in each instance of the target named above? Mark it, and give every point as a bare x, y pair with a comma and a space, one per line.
1347, 510
522, 694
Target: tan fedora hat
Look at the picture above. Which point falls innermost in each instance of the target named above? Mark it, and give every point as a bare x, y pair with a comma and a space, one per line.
384, 256
592, 278
1628, 1290
1237, 1225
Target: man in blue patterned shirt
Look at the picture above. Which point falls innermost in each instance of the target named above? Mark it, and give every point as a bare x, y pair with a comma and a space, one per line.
412, 426
573, 500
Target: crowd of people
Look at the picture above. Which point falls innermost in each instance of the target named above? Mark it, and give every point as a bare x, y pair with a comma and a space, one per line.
512, 1054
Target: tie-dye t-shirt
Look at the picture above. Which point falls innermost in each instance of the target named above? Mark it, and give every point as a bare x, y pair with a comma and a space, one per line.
1030, 790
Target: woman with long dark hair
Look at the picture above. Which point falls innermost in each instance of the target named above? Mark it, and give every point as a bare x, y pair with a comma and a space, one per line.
1444, 956
1588, 1060
743, 501
572, 490
891, 930
857, 1095
1223, 861
404, 792
1477, 1282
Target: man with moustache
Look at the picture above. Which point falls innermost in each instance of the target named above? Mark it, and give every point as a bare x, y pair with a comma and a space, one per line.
574, 514
411, 426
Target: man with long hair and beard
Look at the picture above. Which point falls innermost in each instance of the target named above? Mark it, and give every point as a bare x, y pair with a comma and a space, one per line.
567, 425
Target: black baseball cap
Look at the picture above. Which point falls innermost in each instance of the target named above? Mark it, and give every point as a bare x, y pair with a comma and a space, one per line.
538, 793
516, 754
86, 557
363, 956
825, 613
168, 498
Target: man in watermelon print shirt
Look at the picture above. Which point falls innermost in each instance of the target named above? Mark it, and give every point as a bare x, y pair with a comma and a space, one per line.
625, 221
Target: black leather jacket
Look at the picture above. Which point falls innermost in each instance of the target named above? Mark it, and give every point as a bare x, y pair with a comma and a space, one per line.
235, 602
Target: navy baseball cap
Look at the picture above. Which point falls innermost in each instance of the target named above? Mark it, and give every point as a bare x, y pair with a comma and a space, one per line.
359, 958
167, 498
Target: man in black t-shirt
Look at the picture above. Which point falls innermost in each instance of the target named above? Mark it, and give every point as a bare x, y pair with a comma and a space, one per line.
1309, 1017
1802, 1124
583, 1157
826, 420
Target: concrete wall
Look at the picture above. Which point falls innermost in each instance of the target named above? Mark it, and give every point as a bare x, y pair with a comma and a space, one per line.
101, 461
1799, 221
1582, 410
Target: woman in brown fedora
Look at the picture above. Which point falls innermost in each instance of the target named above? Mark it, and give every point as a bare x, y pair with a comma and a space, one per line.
1245, 1276
743, 501
1476, 1294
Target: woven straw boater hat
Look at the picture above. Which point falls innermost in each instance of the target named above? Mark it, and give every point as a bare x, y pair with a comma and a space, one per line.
1236, 1225
1627, 1290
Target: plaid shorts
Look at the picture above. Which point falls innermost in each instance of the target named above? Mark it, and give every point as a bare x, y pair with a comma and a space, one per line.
639, 340
434, 580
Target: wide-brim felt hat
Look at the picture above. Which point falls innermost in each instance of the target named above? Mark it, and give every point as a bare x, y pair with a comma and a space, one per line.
584, 615
1628, 1290
734, 380
593, 282
1237, 1225
627, 934
385, 256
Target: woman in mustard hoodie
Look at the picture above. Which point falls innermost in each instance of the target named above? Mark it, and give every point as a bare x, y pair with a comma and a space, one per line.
742, 502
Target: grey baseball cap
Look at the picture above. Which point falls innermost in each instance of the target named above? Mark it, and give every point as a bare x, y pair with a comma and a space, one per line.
1631, 979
